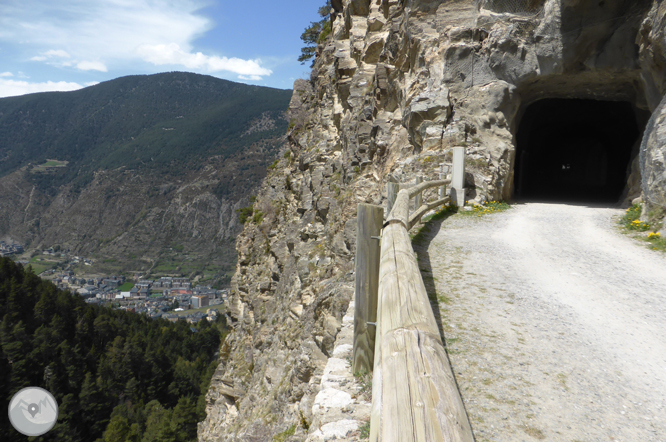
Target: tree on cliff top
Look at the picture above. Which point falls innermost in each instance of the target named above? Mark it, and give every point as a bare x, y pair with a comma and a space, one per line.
316, 33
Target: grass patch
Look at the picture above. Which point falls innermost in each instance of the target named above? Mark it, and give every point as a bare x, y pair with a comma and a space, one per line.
364, 379
656, 241
632, 223
364, 431
49, 164
38, 268
631, 220
126, 287
534, 432
281, 437
486, 208
165, 267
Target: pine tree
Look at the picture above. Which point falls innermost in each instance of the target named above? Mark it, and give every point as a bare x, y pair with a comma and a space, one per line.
315, 33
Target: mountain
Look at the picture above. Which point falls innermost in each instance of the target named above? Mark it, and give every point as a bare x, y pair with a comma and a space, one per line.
124, 169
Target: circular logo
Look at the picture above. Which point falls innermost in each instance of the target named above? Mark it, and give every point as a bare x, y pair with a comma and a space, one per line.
33, 411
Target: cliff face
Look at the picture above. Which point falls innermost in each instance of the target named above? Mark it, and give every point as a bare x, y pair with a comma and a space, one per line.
396, 87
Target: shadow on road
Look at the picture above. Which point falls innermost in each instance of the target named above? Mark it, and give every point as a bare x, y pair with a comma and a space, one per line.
421, 244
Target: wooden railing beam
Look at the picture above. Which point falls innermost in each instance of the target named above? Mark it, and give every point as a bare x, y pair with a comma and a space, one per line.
415, 217
415, 397
400, 209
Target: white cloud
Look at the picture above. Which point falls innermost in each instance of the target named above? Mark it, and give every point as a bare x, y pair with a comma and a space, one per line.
57, 53
52, 53
172, 54
10, 88
91, 66
116, 33
91, 83
6, 74
250, 78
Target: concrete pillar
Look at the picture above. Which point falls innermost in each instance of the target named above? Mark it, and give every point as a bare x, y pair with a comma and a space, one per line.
458, 177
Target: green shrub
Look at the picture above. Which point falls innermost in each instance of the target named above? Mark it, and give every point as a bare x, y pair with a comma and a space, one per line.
244, 213
258, 217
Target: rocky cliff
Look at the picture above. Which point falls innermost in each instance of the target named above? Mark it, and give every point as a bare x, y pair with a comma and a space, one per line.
395, 87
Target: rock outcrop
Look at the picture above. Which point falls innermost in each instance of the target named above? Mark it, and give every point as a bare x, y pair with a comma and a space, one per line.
396, 87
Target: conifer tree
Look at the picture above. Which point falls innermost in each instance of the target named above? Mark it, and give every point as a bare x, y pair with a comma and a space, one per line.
315, 33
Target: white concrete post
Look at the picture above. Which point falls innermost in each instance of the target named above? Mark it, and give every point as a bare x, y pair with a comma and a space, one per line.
458, 177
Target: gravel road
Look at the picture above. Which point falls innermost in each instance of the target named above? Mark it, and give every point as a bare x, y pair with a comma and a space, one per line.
555, 323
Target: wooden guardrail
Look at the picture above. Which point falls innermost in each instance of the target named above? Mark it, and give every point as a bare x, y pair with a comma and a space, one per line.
414, 393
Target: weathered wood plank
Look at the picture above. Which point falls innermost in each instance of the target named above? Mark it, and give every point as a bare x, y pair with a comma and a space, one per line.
400, 209
368, 224
415, 217
415, 397
418, 198
392, 190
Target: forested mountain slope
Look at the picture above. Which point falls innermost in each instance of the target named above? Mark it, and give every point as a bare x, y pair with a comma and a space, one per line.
136, 164
115, 375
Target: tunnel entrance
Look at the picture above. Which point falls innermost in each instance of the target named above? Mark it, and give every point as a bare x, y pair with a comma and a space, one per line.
574, 150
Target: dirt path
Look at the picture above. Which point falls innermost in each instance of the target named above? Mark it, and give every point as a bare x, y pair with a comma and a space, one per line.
555, 323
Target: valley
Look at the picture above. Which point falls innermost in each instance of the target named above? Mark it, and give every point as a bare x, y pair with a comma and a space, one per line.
139, 175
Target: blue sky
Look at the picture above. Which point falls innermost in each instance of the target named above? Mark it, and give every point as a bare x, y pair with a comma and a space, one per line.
48, 45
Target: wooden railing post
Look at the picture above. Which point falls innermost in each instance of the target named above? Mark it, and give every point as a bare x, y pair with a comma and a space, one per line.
392, 190
369, 223
418, 199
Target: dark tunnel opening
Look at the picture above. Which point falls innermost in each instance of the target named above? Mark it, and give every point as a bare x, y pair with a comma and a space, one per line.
575, 150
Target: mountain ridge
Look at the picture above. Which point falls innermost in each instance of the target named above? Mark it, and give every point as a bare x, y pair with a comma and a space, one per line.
136, 165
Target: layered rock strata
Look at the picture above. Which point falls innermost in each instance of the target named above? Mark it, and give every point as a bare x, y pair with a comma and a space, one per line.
396, 87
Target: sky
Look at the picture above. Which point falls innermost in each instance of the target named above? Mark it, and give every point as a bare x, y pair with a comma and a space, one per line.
65, 45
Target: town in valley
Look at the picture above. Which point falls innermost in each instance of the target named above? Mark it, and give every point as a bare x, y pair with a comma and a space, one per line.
170, 297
